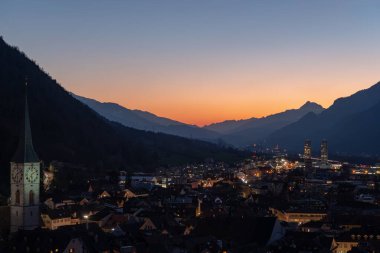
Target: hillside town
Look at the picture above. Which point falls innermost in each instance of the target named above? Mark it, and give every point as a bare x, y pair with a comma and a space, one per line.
189, 126
266, 203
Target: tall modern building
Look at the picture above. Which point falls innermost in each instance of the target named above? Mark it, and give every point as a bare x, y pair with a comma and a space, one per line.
307, 149
307, 156
25, 180
324, 151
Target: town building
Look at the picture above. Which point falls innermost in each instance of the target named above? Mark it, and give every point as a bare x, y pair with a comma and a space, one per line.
324, 151
25, 180
307, 157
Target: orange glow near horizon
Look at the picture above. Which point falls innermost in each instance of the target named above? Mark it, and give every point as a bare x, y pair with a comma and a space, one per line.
201, 62
200, 89
203, 105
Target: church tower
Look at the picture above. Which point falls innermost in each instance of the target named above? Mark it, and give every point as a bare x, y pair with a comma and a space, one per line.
25, 180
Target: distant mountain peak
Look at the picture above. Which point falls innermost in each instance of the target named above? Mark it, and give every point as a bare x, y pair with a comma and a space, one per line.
147, 121
362, 96
311, 106
66, 130
351, 124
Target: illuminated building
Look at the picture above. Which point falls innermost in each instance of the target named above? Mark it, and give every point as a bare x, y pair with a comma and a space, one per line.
307, 156
324, 151
25, 180
298, 216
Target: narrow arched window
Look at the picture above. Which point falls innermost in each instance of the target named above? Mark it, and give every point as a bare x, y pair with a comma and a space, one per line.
31, 197
17, 197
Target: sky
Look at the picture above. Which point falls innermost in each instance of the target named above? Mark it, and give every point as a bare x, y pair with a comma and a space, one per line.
201, 61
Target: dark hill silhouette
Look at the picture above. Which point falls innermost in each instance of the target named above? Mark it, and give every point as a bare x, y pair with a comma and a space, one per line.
66, 130
351, 125
249, 131
358, 133
147, 121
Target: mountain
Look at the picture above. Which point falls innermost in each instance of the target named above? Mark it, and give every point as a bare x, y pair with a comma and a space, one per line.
147, 121
229, 126
249, 131
351, 125
132, 118
235, 132
65, 129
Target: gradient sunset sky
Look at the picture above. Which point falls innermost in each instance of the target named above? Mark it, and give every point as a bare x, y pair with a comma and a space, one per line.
201, 61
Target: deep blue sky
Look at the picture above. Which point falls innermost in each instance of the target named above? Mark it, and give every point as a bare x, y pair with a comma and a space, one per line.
201, 61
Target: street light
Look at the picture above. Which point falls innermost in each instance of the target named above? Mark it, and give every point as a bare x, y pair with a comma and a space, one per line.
86, 218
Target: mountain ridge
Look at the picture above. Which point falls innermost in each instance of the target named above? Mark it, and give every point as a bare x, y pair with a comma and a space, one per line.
340, 124
147, 121
256, 130
234, 132
66, 130
142, 114
307, 106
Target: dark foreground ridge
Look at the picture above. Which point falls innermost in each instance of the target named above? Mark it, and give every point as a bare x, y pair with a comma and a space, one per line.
66, 130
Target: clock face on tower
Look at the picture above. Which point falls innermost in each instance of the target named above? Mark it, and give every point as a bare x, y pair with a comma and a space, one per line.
17, 175
32, 175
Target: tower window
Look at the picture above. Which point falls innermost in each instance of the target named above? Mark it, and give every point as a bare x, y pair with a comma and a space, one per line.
31, 197
17, 197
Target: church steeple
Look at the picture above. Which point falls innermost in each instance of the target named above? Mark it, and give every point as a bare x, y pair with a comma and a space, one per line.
25, 152
25, 180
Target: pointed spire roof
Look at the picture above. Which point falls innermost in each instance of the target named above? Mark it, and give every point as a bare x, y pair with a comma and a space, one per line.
25, 152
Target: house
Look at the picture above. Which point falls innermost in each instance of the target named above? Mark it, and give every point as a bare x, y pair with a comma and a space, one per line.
75, 245
148, 225
78, 238
128, 194
299, 216
56, 202
347, 222
134, 204
84, 201
53, 219
343, 245
314, 226
99, 218
260, 231
112, 223
104, 194
143, 181
301, 242
368, 236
